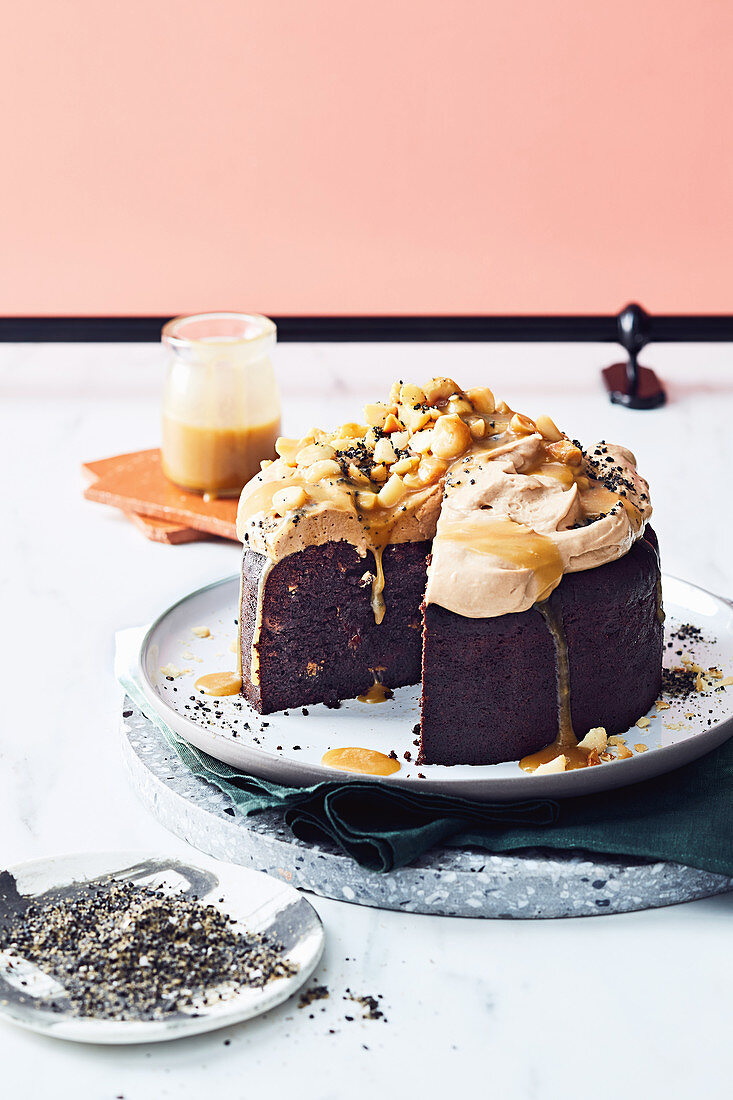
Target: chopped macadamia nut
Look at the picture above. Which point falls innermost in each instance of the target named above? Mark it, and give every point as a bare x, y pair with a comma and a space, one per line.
287, 449
431, 470
357, 476
327, 467
415, 418
548, 429
421, 442
392, 424
201, 631
459, 405
172, 672
371, 437
350, 430
341, 443
392, 491
552, 766
440, 389
376, 414
451, 437
643, 723
287, 500
482, 400
405, 465
384, 451
411, 395
565, 451
314, 452
522, 425
399, 440
366, 500
594, 739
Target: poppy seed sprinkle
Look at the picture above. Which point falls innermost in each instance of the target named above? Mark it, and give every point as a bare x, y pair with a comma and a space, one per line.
124, 951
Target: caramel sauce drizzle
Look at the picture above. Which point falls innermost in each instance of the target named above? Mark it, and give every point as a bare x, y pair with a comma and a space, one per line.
377, 693
366, 761
512, 542
219, 683
566, 743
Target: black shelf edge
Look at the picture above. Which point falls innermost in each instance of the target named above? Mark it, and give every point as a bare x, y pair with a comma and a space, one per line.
347, 329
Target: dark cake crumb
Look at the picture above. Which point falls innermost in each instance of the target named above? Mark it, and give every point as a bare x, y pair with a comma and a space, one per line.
370, 1005
315, 993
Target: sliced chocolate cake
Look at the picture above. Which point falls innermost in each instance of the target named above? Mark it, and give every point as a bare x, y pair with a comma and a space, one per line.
507, 705
540, 618
318, 640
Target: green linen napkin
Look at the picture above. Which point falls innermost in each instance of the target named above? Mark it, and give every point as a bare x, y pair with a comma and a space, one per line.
685, 816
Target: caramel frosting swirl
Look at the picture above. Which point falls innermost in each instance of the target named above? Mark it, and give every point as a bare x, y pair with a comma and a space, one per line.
510, 527
510, 503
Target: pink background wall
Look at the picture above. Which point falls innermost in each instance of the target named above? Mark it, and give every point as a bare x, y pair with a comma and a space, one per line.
306, 156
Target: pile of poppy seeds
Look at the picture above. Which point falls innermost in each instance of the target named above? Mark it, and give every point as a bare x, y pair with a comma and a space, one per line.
125, 951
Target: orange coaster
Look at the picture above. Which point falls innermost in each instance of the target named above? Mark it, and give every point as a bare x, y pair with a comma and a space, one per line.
136, 484
157, 530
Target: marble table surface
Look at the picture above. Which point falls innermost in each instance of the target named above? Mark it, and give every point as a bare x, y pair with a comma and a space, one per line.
634, 1005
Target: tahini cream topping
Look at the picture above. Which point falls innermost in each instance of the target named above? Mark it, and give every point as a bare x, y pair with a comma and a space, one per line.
510, 503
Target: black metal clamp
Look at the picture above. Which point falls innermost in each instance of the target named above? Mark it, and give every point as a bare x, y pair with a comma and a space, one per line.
628, 383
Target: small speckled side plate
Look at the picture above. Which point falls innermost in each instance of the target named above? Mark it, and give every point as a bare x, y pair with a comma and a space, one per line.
288, 747
257, 902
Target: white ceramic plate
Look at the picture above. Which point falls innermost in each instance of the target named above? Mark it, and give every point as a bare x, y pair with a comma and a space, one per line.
256, 901
288, 747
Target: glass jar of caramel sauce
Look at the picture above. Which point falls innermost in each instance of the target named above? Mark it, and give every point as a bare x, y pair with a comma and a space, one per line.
221, 406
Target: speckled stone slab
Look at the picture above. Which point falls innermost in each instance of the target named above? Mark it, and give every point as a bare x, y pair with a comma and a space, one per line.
445, 881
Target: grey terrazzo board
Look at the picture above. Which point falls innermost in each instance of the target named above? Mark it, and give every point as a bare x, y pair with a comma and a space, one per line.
445, 881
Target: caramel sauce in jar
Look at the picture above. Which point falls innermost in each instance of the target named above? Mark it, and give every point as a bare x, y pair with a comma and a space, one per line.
218, 461
221, 407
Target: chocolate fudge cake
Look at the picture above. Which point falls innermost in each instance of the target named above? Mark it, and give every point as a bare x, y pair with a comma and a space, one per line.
452, 538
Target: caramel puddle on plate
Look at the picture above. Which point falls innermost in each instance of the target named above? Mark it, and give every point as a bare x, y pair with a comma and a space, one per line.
219, 683
367, 761
377, 693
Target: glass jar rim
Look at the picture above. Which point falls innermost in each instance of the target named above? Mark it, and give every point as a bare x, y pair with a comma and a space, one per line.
253, 328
